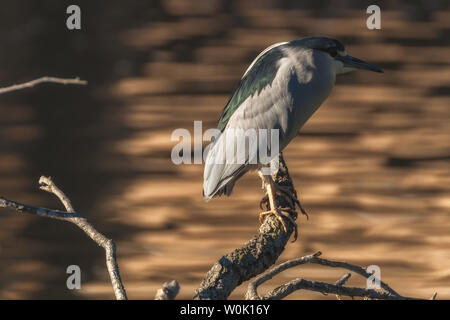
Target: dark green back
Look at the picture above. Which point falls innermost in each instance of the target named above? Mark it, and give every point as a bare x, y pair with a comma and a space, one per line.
257, 78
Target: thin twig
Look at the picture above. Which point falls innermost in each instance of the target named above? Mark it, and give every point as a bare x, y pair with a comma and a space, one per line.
47, 184
341, 282
32, 83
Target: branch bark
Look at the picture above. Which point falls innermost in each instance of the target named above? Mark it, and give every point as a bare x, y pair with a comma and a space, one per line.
108, 245
168, 291
32, 83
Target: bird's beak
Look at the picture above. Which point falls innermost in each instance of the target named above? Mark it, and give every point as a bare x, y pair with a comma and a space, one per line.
352, 62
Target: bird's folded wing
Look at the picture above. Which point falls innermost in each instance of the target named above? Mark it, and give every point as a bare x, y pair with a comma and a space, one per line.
263, 110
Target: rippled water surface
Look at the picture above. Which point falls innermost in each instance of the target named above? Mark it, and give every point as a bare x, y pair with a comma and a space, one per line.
371, 166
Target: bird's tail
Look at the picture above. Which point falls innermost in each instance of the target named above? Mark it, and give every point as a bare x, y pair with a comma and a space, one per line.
226, 189
218, 176
213, 173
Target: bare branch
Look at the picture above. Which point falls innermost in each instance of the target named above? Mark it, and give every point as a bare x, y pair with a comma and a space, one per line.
32, 83
255, 256
168, 291
46, 184
325, 288
357, 269
338, 288
252, 293
107, 244
43, 212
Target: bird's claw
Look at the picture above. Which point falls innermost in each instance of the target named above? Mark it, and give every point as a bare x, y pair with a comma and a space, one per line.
283, 192
279, 214
290, 195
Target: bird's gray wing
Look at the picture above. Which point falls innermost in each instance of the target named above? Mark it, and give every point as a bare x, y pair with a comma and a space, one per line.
259, 75
261, 101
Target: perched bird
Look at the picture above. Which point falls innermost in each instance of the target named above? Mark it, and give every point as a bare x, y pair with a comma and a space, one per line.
280, 90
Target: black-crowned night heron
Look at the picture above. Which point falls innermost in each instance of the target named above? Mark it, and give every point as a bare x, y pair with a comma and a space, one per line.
281, 90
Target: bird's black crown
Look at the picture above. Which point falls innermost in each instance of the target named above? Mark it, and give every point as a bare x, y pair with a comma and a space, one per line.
326, 44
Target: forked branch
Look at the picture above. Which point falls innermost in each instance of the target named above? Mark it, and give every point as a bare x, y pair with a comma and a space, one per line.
387, 293
47, 184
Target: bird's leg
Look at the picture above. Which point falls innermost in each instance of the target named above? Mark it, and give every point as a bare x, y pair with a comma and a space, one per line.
274, 209
284, 192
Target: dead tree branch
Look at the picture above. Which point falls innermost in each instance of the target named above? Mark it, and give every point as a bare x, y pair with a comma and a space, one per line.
245, 263
108, 245
325, 288
32, 83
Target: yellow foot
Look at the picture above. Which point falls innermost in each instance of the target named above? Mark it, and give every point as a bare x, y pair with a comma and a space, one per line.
286, 193
279, 214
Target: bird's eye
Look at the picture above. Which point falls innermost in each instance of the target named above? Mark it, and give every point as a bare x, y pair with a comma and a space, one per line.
333, 53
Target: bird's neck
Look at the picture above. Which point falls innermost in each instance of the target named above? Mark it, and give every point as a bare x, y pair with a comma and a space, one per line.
314, 79
312, 65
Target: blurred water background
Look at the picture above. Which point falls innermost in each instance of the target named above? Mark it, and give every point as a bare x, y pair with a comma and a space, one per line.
371, 166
